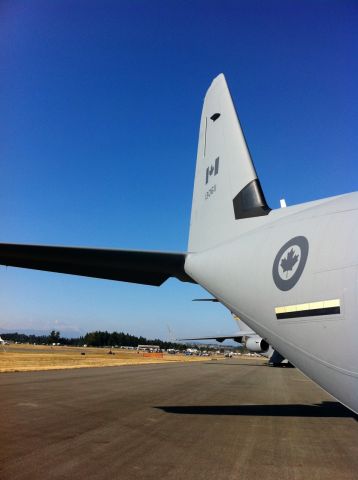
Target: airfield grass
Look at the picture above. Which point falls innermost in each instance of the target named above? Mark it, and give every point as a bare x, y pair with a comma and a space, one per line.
22, 358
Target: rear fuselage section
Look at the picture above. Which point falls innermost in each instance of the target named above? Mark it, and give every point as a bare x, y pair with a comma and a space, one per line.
292, 277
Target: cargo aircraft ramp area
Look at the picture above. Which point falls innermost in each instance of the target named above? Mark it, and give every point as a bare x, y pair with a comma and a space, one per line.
202, 420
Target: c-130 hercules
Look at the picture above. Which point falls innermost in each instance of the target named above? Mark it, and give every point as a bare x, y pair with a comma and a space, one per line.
289, 274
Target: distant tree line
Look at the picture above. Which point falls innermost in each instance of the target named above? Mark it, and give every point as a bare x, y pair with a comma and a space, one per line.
53, 337
106, 339
92, 339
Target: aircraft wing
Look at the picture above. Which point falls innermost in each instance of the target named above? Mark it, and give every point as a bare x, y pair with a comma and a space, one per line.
149, 268
220, 338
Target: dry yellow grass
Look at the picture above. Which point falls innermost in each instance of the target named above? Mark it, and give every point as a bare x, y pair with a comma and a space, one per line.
22, 358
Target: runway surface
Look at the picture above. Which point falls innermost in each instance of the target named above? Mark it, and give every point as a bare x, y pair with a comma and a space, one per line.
231, 419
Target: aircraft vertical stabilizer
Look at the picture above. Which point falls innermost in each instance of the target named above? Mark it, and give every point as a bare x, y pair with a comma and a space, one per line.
242, 325
226, 187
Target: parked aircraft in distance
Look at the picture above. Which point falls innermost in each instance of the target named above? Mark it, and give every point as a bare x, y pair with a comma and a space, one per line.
290, 274
252, 342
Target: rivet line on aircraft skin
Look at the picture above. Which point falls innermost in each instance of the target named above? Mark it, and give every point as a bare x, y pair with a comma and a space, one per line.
312, 309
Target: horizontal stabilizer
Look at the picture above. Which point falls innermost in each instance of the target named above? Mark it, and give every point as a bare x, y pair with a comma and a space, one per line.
149, 268
205, 300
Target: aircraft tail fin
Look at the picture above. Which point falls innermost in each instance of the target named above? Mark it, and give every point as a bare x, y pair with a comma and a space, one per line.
242, 325
226, 187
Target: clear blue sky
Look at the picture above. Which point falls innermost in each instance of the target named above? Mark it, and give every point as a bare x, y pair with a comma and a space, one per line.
100, 104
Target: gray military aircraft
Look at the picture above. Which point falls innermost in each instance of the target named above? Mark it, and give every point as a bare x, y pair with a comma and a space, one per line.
253, 342
290, 274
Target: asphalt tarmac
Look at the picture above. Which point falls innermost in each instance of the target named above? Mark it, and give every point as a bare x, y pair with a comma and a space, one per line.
231, 419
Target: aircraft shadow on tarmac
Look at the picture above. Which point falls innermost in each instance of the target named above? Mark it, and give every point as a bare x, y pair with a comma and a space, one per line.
324, 409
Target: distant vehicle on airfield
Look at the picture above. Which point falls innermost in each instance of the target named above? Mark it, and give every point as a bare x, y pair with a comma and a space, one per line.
290, 274
148, 348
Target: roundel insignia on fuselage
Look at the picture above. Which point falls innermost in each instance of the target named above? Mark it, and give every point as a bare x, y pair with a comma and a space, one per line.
290, 262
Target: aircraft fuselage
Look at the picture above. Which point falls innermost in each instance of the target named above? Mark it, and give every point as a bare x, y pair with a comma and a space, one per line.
292, 277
